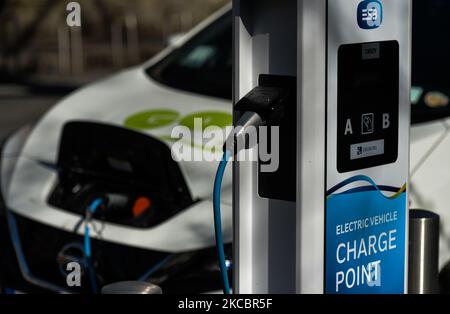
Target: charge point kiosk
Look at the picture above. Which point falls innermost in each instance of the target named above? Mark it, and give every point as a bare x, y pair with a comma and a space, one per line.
333, 217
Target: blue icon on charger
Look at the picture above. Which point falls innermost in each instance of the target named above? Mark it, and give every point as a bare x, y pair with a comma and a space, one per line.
370, 14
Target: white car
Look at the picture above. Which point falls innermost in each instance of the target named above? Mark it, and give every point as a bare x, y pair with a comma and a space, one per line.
113, 138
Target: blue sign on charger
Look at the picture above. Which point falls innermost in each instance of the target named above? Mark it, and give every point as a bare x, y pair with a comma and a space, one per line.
370, 14
365, 241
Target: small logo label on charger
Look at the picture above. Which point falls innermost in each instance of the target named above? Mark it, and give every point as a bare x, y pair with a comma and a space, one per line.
370, 14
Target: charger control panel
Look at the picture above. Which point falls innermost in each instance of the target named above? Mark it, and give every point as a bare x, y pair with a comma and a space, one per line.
368, 105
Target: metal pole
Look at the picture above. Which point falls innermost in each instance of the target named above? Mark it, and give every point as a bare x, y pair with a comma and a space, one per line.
76, 37
64, 49
423, 252
131, 25
117, 44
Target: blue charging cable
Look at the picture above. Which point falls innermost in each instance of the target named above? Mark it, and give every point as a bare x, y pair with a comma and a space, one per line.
87, 242
218, 221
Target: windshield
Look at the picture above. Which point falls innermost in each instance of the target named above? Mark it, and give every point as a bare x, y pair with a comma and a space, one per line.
203, 65
430, 60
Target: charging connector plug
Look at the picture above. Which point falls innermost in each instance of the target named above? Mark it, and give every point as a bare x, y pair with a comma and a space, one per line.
261, 106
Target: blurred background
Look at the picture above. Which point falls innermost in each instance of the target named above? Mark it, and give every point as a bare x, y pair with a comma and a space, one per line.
42, 59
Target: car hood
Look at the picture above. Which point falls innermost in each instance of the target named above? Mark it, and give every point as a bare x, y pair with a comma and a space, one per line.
114, 101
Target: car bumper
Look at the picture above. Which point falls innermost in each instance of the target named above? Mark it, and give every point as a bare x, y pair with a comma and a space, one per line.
31, 260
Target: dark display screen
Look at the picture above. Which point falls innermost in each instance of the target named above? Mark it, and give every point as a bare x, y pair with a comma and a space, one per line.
368, 105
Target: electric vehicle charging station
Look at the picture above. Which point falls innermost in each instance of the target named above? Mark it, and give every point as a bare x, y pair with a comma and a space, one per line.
334, 219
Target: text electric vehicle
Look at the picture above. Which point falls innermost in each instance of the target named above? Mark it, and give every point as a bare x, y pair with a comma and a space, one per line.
111, 142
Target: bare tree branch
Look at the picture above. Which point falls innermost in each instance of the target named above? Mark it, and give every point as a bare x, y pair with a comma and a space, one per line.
24, 38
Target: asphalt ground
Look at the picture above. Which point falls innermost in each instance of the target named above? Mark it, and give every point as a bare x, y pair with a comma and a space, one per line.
20, 106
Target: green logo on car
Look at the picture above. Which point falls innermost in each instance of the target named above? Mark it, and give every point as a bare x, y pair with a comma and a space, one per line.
153, 119
208, 118
158, 118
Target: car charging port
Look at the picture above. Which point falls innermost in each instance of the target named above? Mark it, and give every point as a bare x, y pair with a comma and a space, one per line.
132, 172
